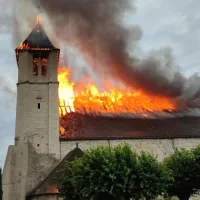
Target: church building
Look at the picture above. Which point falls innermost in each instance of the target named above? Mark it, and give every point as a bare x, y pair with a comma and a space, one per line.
33, 162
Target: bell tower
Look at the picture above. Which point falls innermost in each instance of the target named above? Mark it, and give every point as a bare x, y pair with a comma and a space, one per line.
37, 147
37, 119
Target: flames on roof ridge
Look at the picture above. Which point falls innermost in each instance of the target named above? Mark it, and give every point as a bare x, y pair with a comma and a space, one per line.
37, 39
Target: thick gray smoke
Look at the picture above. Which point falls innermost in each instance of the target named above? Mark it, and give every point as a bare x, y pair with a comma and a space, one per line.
16, 19
96, 28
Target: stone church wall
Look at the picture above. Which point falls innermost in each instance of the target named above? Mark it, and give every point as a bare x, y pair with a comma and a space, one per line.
159, 147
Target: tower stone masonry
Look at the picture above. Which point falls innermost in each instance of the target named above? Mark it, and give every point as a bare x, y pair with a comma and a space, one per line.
33, 162
36, 148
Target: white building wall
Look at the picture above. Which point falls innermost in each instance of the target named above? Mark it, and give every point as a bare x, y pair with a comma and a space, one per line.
158, 147
15, 173
22, 110
36, 150
37, 119
54, 144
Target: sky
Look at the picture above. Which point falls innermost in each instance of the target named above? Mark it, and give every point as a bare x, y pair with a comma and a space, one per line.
174, 24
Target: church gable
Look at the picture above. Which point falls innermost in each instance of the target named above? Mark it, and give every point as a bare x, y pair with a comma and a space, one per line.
49, 185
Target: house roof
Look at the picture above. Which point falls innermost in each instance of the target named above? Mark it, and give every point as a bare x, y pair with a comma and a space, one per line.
49, 185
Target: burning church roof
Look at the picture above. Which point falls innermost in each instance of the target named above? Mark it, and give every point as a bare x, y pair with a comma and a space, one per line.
87, 113
120, 113
37, 39
76, 126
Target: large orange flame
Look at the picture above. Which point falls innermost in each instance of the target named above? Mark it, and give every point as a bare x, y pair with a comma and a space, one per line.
66, 92
114, 100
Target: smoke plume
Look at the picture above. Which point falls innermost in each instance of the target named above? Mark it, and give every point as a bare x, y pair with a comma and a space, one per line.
96, 27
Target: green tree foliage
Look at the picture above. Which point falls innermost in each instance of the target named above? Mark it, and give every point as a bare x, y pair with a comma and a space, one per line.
185, 167
113, 173
154, 177
1, 191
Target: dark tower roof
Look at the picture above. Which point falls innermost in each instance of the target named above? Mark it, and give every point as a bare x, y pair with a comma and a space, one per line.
38, 39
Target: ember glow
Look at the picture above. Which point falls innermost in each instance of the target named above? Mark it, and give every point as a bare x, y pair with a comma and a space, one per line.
75, 97
38, 20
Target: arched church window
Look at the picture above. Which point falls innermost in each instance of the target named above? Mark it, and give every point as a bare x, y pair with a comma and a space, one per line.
35, 66
44, 66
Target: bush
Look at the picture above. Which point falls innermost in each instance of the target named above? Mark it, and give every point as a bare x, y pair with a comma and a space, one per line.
185, 167
154, 177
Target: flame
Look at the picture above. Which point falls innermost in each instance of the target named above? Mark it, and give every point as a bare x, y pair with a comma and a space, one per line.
26, 46
66, 92
75, 97
23, 46
38, 20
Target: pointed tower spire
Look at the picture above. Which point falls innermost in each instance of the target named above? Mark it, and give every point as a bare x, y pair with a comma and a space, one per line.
39, 20
37, 40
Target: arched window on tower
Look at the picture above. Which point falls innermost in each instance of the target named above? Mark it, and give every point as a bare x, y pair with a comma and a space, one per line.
35, 66
44, 66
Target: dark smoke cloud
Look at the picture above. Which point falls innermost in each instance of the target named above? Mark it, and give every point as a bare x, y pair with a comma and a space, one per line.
17, 18
96, 28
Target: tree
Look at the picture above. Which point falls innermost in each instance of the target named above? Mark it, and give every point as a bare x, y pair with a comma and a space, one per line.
1, 191
154, 177
185, 167
115, 173
104, 196
100, 170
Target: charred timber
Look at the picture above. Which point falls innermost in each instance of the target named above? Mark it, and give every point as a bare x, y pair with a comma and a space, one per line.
76, 126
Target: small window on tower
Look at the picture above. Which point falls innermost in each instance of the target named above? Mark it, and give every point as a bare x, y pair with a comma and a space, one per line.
44, 66
35, 66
